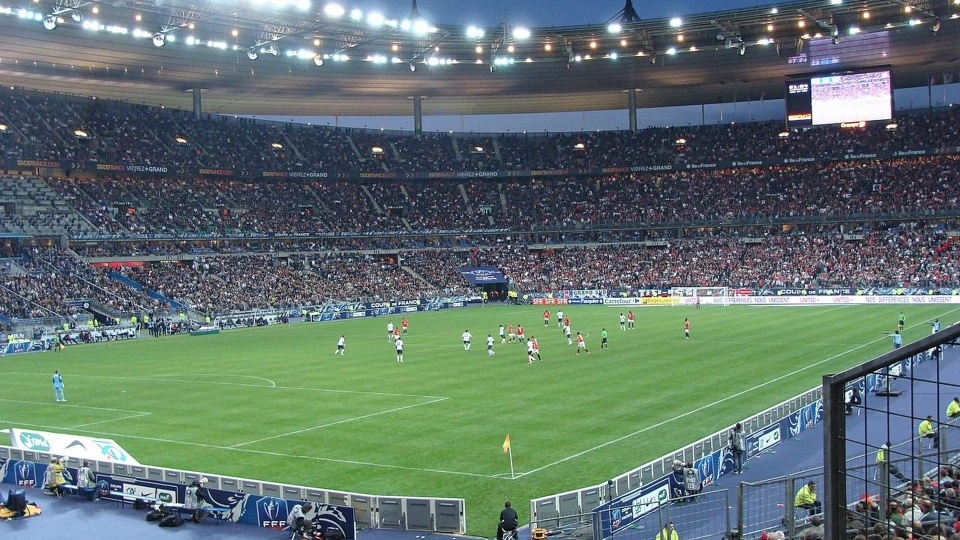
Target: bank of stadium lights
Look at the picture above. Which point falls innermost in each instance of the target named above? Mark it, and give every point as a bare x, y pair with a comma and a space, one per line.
521, 33
676, 22
614, 28
474, 32
302, 5
334, 10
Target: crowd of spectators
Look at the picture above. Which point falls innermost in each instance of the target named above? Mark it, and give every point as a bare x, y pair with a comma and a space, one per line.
243, 242
43, 126
905, 256
130, 207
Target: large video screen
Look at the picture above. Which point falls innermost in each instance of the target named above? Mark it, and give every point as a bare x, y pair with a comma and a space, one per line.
838, 98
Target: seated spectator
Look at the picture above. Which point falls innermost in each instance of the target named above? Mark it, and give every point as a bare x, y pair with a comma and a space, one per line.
807, 498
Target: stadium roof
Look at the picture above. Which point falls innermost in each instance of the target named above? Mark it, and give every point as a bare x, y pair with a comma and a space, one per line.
138, 51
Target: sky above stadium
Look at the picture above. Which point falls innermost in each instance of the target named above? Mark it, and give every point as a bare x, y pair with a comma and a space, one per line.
539, 13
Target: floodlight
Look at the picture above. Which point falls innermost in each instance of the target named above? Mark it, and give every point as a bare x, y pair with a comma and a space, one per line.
50, 23
334, 11
676, 22
521, 32
252, 53
614, 28
159, 40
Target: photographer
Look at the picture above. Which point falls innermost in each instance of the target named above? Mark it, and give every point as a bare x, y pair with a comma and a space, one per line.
297, 519
508, 521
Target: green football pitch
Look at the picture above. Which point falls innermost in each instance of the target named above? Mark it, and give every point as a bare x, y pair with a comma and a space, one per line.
275, 403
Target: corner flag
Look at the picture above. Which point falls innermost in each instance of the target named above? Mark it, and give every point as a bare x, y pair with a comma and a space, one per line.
506, 444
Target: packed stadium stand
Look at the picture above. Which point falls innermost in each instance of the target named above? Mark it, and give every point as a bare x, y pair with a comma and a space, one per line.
880, 212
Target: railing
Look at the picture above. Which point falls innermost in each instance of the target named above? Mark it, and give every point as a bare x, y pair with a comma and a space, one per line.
371, 511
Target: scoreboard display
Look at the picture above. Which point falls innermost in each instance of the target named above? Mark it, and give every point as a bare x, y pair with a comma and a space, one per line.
837, 98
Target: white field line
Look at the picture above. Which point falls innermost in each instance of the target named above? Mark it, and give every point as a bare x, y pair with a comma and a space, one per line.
338, 422
710, 405
275, 454
165, 378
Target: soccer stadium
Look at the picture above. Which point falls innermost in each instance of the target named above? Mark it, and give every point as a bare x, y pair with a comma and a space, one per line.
718, 326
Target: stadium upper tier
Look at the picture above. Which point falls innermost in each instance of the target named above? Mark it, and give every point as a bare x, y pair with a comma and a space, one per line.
44, 127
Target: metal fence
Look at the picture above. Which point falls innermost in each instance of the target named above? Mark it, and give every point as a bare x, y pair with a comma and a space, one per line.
693, 516
565, 509
371, 511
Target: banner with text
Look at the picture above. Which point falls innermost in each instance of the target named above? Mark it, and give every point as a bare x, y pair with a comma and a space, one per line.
76, 446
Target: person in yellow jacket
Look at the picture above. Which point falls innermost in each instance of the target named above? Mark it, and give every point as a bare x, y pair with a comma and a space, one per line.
953, 409
807, 498
54, 476
668, 533
893, 469
926, 430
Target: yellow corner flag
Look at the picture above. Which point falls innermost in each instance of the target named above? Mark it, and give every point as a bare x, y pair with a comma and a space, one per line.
506, 444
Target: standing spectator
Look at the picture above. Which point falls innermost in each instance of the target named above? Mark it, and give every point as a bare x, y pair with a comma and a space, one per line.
807, 498
58, 386
736, 442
